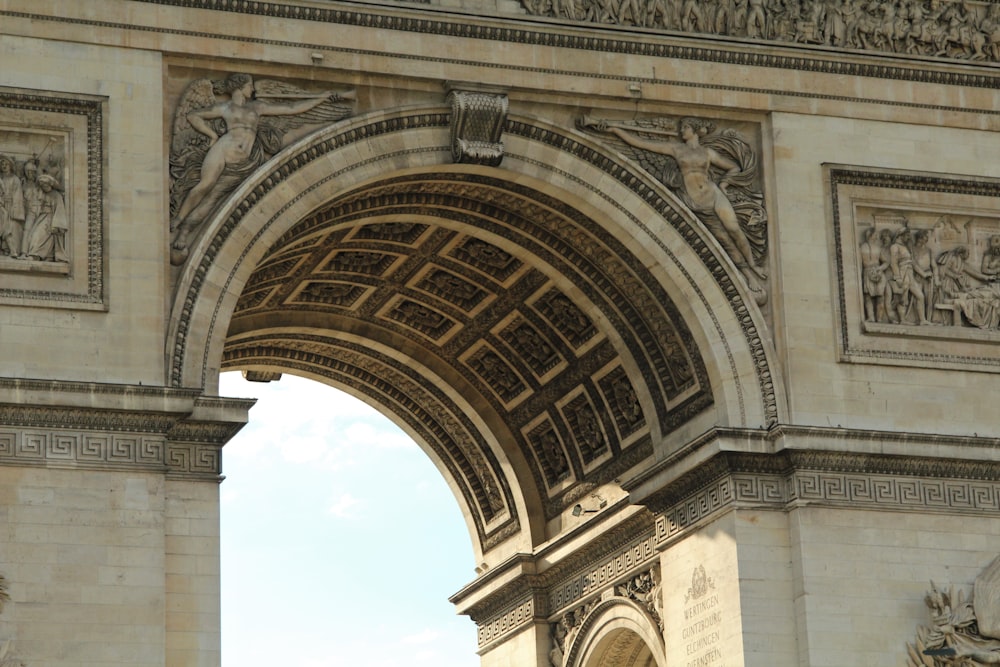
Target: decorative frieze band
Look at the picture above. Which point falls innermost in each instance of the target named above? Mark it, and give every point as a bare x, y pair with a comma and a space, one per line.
176, 432
109, 451
863, 482
610, 42
603, 575
506, 623
620, 554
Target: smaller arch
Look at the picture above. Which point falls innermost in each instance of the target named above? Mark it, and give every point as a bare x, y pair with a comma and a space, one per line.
617, 633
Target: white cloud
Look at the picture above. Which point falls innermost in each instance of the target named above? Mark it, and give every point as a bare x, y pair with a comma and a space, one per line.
345, 507
425, 636
383, 436
304, 422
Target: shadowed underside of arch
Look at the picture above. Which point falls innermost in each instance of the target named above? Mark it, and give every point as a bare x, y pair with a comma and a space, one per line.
519, 337
616, 633
441, 295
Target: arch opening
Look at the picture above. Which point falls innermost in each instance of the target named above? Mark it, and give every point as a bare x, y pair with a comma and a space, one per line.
616, 633
326, 501
527, 338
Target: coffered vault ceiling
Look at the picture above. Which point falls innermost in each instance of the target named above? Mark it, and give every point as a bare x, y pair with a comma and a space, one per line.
494, 321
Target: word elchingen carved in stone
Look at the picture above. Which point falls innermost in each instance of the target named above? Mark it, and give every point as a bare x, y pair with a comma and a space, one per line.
942, 28
714, 173
217, 144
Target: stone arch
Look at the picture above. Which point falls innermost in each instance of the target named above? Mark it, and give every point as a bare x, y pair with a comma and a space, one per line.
617, 633
653, 338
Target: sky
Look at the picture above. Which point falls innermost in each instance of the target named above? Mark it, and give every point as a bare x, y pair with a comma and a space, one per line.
340, 540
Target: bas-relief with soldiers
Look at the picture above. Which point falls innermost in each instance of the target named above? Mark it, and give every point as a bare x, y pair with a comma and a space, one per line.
34, 218
927, 269
941, 28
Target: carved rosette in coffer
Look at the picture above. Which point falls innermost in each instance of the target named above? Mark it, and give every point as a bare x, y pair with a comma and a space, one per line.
477, 120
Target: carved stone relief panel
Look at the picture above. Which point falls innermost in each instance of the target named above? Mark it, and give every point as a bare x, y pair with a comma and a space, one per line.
328, 293
51, 200
586, 426
452, 288
623, 404
496, 374
713, 169
363, 262
964, 628
943, 28
567, 319
427, 321
918, 267
224, 129
533, 344
550, 453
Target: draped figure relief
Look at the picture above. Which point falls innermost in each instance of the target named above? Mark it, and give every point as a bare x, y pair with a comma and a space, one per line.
224, 130
715, 173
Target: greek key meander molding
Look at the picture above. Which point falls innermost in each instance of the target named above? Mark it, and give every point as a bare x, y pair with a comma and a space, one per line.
88, 290
501, 626
619, 553
59, 448
174, 442
828, 479
521, 34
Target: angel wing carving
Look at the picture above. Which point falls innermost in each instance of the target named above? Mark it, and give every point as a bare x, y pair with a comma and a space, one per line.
224, 130
715, 174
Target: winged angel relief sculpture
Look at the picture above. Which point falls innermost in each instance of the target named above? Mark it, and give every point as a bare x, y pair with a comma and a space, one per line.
714, 173
224, 130
963, 632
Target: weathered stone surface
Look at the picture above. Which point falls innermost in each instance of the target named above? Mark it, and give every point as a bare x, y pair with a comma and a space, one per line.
695, 308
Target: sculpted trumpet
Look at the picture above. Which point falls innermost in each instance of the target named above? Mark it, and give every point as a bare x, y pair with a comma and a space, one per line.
602, 125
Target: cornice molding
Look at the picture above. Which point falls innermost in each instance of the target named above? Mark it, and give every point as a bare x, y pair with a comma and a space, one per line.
849, 480
175, 432
616, 39
533, 596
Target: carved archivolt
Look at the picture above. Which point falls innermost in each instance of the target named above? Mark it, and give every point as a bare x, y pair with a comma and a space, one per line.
612, 631
533, 348
426, 410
